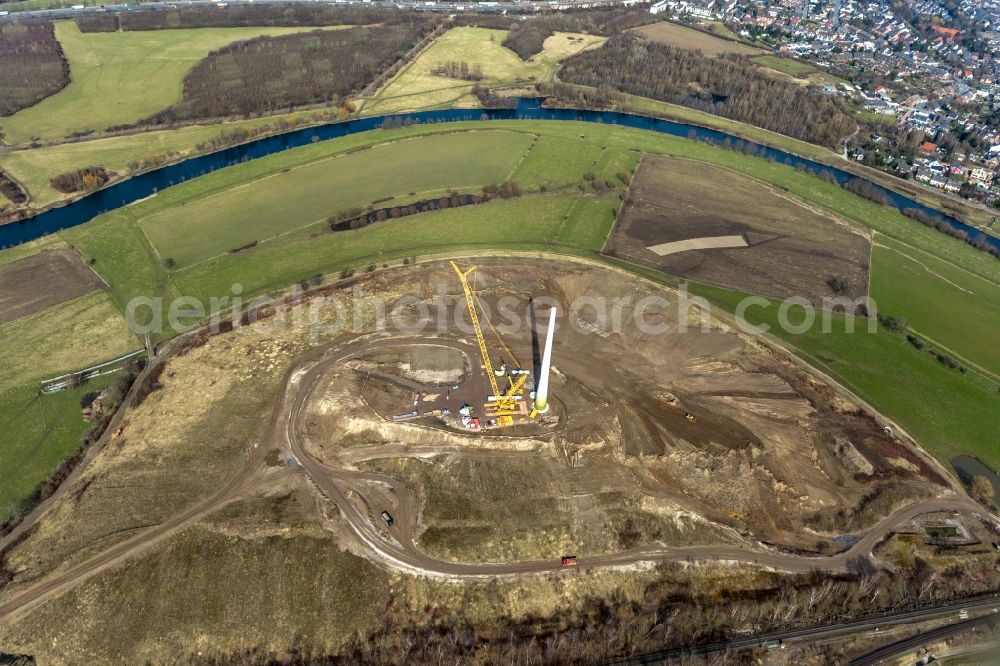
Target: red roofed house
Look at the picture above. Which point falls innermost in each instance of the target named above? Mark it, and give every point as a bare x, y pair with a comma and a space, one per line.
950, 33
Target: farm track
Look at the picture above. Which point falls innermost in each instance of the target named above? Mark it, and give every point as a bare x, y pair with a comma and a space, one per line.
360, 496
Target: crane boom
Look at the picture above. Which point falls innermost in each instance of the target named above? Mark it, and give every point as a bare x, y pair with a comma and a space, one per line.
470, 300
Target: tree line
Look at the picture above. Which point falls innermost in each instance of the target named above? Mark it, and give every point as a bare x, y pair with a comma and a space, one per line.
676, 609
729, 86
358, 218
32, 66
272, 74
461, 70
290, 15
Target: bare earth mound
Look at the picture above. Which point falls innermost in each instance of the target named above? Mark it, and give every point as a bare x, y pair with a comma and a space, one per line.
653, 427
42, 280
237, 510
791, 249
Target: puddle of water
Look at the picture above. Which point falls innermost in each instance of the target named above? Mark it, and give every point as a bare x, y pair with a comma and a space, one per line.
968, 467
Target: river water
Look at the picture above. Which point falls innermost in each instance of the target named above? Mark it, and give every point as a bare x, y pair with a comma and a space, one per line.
146, 184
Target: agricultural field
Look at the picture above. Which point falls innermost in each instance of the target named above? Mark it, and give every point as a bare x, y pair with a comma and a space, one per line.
779, 247
43, 280
39, 433
63, 338
119, 78
682, 37
416, 87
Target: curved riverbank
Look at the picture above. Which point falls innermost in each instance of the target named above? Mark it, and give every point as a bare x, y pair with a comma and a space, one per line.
144, 185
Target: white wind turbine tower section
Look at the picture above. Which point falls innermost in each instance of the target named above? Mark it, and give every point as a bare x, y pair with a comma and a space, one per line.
542, 392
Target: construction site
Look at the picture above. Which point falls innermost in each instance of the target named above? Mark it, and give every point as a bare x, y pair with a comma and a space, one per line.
263, 448
487, 394
704, 424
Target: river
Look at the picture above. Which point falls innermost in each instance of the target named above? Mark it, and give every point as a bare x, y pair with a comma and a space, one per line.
143, 185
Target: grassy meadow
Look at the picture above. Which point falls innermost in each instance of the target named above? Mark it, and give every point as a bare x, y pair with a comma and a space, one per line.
416, 87
953, 309
39, 433
785, 65
683, 37
34, 168
422, 167
118, 78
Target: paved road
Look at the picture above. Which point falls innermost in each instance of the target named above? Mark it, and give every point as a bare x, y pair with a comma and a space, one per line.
360, 497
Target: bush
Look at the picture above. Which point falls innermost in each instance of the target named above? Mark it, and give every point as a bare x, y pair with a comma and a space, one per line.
837, 284
893, 324
10, 189
459, 70
527, 38
937, 222
81, 180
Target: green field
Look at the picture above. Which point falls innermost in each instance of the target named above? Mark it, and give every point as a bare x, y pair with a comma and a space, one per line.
417, 168
65, 337
290, 193
416, 88
957, 311
785, 65
34, 168
120, 77
683, 37
39, 433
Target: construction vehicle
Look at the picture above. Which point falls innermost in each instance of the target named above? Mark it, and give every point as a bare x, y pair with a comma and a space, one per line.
501, 406
387, 519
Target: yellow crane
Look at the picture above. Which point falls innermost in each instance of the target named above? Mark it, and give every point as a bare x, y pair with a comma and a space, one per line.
505, 402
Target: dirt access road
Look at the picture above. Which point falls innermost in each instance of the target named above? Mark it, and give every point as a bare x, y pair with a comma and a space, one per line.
360, 497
